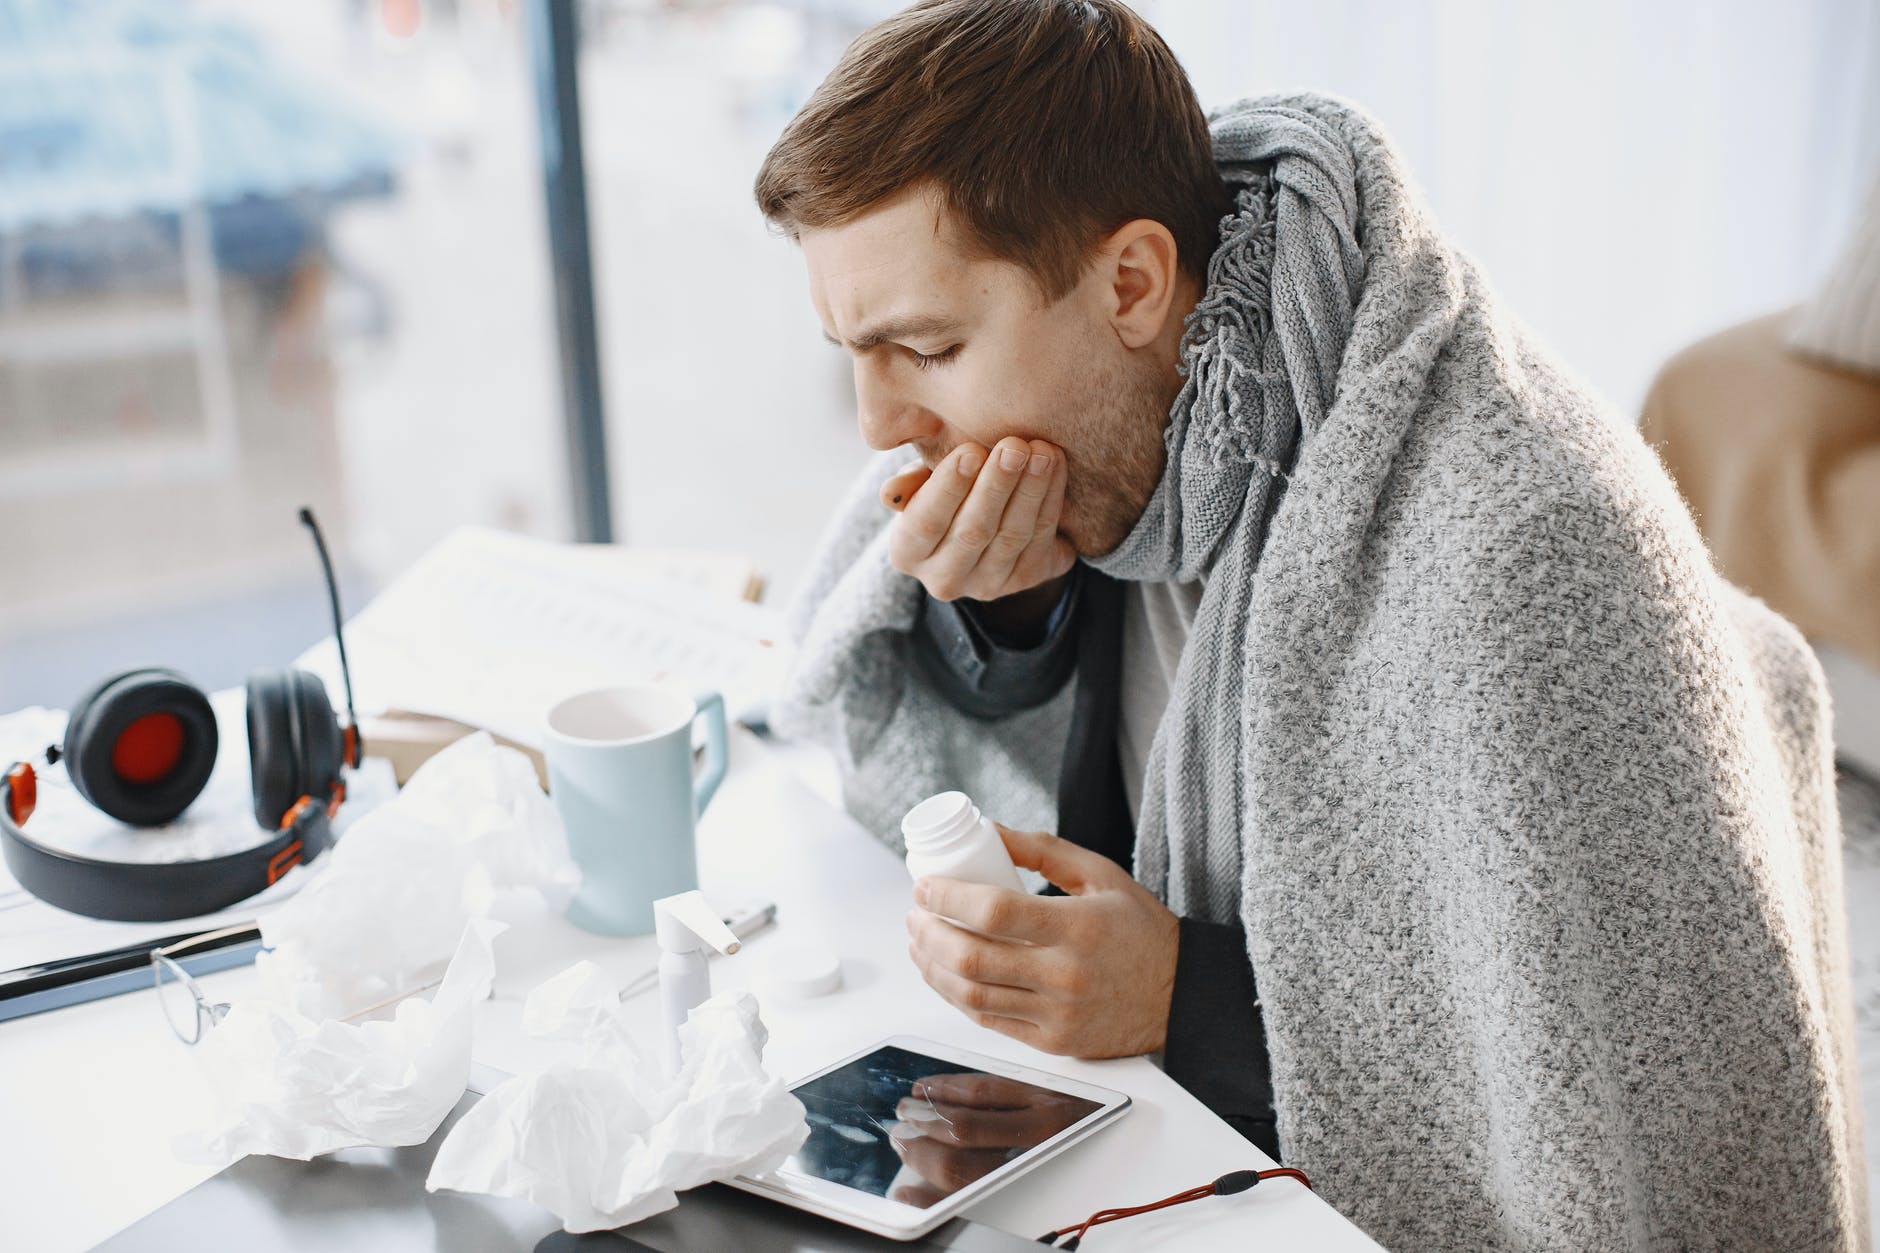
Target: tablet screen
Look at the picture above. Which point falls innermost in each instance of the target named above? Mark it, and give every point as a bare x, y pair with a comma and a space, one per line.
915, 1129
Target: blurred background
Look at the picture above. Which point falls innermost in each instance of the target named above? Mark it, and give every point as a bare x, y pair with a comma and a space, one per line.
258, 254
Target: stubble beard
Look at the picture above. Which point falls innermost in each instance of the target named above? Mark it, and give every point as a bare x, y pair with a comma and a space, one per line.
1115, 452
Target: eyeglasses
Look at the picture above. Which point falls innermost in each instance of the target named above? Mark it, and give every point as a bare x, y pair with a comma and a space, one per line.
190, 1013
187, 1010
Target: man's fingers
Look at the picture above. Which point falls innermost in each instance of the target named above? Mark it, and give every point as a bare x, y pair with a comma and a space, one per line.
922, 1195
1048, 555
946, 1166
1018, 524
940, 1093
900, 489
978, 1128
965, 994
991, 911
982, 1091
953, 571
1068, 865
984, 523
1052, 506
928, 516
975, 957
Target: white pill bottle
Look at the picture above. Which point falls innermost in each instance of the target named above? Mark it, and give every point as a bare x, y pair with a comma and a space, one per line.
947, 835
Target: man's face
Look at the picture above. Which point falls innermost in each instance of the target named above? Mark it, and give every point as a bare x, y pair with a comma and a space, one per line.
950, 347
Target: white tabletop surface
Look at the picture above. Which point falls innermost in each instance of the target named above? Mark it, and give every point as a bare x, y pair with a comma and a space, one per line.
92, 1096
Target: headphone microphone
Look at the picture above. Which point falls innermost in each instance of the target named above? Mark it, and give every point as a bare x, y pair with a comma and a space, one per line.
351, 733
141, 745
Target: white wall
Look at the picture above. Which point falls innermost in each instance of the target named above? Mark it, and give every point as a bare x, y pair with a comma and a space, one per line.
1630, 175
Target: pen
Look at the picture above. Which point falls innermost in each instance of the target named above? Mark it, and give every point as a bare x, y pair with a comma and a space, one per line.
751, 919
63, 981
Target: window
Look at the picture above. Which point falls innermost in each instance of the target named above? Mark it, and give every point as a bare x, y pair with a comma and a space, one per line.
253, 256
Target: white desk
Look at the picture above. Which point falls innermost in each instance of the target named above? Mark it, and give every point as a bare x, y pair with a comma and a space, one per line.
92, 1096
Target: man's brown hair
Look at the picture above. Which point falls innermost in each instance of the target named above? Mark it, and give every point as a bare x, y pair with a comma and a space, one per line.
1043, 125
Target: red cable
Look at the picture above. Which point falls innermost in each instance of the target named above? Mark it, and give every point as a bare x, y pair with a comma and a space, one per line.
1226, 1185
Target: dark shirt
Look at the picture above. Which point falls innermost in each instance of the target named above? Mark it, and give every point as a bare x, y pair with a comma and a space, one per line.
1216, 1043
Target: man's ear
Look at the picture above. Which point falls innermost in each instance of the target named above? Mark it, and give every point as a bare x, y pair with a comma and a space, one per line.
1144, 276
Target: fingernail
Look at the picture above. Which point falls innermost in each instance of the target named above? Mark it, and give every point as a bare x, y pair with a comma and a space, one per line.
1012, 459
916, 1109
969, 464
920, 891
1040, 464
904, 1131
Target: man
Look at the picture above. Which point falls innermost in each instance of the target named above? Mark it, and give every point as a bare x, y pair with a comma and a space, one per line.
1483, 844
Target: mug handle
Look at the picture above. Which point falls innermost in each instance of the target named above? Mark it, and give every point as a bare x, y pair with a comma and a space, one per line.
711, 707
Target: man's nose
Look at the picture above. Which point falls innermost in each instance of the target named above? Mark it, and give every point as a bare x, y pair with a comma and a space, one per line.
888, 416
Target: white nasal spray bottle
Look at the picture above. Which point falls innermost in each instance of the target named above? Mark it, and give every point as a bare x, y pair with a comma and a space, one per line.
686, 925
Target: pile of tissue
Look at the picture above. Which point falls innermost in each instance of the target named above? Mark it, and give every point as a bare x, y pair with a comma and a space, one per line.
390, 905
411, 883
288, 1085
603, 1139
606, 1138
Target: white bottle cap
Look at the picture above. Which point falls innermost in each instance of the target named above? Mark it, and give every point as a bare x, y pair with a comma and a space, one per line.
800, 970
938, 817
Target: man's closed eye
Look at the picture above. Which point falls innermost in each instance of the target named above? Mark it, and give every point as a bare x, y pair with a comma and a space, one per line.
927, 361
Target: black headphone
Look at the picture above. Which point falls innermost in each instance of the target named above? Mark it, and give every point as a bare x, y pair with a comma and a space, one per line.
140, 746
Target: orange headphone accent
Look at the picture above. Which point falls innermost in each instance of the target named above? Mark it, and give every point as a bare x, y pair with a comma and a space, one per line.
22, 792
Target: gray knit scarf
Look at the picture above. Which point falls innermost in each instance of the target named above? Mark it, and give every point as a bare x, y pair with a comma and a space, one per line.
1261, 356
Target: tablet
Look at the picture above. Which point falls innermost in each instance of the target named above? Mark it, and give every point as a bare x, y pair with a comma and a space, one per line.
907, 1133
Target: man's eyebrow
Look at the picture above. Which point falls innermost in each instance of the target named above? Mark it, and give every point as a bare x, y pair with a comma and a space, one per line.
911, 327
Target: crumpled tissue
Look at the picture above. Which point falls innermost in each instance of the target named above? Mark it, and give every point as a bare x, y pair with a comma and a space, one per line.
606, 1138
411, 883
294, 1086
388, 908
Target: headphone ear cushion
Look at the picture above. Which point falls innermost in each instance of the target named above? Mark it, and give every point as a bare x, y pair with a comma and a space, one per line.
84, 706
141, 746
274, 756
323, 748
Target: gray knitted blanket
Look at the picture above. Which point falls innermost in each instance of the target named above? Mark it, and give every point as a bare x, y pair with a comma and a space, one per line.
1529, 817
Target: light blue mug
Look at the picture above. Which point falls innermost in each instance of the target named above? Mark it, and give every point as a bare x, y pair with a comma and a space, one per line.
620, 773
